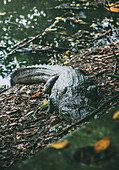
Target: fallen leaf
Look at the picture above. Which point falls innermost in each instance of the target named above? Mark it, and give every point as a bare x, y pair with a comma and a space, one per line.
113, 7
67, 52
12, 124
36, 95
77, 4
59, 18
9, 98
59, 145
21, 45
93, 25
23, 88
102, 144
116, 115
2, 87
47, 44
76, 21
97, 33
44, 104
66, 62
2, 13
63, 32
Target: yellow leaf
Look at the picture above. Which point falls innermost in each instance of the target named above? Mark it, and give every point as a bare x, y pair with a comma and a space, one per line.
59, 145
67, 52
113, 9
93, 25
63, 32
102, 144
59, 18
66, 62
77, 4
116, 115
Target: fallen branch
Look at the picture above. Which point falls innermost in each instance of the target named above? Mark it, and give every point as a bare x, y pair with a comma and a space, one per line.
91, 115
42, 49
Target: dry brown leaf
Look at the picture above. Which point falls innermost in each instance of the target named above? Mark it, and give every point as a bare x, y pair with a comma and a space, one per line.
59, 145
116, 115
113, 9
12, 124
63, 32
76, 21
36, 95
102, 144
9, 98
47, 44
67, 52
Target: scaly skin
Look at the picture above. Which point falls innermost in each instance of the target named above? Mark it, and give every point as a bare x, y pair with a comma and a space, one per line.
64, 84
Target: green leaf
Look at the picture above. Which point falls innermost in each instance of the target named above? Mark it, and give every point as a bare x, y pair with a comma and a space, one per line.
2, 87
44, 104
96, 117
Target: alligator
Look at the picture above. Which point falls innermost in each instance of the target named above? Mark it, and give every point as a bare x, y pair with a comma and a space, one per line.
66, 88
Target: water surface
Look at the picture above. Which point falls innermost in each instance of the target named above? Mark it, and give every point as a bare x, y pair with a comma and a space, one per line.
24, 19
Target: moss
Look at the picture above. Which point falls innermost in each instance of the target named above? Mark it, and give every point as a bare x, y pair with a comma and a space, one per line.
81, 142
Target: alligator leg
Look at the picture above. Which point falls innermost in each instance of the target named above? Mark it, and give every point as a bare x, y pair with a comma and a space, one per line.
52, 104
49, 84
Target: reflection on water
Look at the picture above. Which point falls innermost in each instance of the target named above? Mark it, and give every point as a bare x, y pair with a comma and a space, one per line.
25, 19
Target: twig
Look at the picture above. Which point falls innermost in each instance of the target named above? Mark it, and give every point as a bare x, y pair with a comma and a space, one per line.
113, 75
103, 35
92, 114
116, 57
43, 49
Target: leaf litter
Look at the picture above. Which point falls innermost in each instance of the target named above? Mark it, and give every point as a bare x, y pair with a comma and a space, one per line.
26, 127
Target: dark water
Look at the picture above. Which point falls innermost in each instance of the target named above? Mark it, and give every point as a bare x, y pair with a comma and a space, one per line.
24, 19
